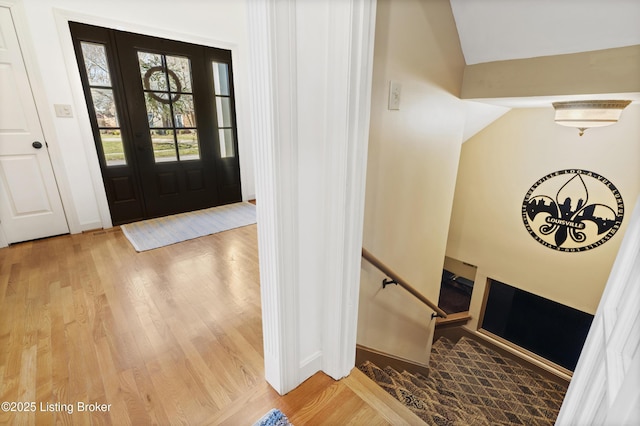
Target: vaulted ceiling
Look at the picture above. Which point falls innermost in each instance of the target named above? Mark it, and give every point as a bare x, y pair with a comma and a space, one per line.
500, 30
496, 30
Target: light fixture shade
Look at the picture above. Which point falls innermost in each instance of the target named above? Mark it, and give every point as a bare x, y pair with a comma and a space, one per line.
586, 114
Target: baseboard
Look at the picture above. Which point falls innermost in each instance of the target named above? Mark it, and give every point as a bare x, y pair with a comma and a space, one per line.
311, 365
90, 226
382, 360
93, 230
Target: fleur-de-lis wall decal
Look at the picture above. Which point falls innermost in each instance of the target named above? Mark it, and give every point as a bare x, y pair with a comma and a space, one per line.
571, 220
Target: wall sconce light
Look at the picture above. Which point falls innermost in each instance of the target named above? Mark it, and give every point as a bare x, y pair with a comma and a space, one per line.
586, 114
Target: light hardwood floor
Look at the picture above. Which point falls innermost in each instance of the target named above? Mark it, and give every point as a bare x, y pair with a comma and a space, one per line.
168, 336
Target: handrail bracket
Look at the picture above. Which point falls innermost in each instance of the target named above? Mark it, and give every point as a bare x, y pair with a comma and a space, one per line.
387, 281
393, 278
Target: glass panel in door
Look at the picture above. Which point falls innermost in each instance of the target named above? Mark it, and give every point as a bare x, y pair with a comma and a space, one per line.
167, 86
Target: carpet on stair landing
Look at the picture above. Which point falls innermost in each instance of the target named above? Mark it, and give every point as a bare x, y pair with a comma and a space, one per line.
453, 299
470, 384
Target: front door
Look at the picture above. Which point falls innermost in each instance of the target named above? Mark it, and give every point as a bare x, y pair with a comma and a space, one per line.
30, 205
163, 120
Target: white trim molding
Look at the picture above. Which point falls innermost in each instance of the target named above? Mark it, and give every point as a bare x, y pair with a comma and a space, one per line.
348, 112
274, 130
311, 70
3, 239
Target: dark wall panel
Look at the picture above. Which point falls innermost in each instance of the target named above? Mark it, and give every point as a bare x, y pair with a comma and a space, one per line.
554, 331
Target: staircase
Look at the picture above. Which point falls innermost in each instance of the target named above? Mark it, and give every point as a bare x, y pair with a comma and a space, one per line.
470, 384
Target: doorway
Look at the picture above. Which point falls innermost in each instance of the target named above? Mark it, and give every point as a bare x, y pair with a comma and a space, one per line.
30, 204
163, 120
456, 286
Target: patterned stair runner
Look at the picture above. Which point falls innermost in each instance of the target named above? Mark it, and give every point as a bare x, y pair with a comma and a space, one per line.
470, 384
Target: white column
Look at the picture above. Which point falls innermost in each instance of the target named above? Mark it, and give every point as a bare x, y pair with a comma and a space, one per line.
311, 77
273, 127
348, 108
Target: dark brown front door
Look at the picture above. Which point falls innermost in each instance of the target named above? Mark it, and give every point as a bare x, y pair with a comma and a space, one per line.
163, 120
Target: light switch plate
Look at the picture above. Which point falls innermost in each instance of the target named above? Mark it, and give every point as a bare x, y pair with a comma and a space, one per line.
63, 111
395, 89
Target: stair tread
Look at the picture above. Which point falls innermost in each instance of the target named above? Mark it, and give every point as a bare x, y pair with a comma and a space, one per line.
507, 391
439, 349
485, 354
449, 407
430, 409
470, 383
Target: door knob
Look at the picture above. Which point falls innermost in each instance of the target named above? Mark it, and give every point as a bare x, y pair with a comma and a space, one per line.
37, 145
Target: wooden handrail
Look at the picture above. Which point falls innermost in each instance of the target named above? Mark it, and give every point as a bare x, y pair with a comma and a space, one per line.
402, 283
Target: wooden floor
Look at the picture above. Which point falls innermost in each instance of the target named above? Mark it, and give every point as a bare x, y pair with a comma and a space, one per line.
168, 336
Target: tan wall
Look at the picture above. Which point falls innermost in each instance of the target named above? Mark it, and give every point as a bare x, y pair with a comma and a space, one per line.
460, 268
412, 166
499, 165
599, 71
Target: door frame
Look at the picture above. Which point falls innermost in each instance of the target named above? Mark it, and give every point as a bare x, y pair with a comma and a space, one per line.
18, 15
62, 18
3, 239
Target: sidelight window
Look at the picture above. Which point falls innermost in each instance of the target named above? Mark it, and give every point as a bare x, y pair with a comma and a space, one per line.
223, 109
104, 103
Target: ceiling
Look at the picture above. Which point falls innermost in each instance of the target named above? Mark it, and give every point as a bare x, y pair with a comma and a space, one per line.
498, 30
495, 30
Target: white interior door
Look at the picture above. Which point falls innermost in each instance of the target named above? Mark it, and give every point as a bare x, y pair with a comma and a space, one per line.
30, 205
605, 388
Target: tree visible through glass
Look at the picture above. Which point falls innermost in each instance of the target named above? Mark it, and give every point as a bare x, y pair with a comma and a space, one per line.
167, 86
104, 102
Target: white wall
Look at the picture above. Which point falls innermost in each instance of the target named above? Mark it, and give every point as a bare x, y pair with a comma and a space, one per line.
217, 23
411, 171
497, 168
